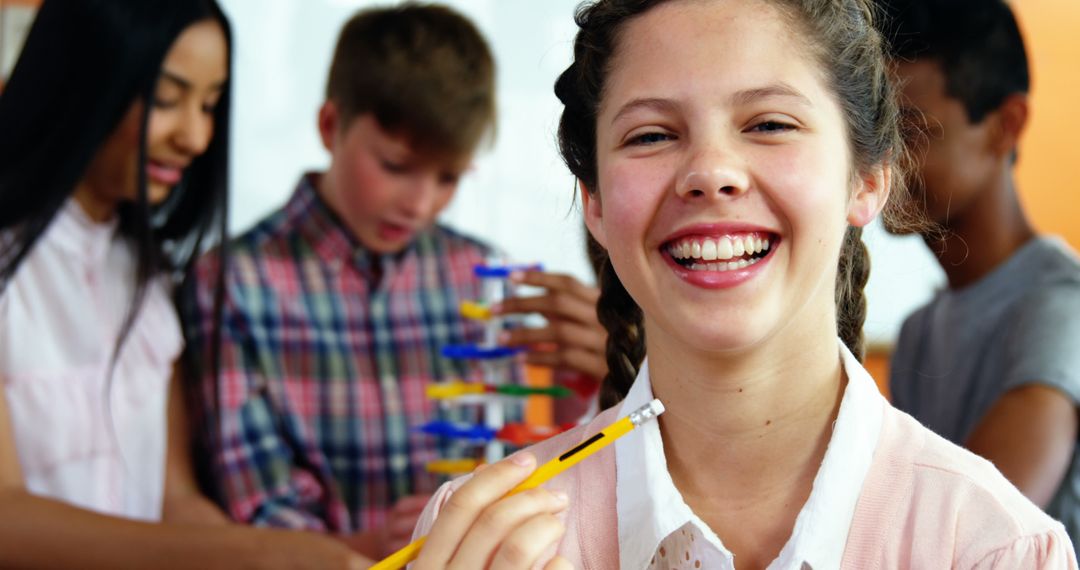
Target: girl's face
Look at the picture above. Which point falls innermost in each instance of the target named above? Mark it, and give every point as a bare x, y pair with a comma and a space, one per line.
180, 127
725, 179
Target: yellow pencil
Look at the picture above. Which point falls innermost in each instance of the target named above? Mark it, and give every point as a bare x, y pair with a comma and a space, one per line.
545, 472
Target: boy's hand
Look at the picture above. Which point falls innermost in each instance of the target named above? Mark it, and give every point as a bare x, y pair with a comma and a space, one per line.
396, 533
401, 522
573, 339
477, 528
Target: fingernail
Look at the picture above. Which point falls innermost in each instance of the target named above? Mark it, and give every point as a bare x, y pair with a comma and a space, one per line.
496, 309
517, 276
504, 337
561, 497
522, 459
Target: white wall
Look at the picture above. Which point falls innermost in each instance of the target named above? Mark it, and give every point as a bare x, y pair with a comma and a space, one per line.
520, 195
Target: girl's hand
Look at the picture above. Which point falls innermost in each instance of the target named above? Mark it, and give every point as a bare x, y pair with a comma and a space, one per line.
479, 529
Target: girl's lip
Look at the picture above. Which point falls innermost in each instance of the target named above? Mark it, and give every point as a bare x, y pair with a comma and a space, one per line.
719, 229
728, 279
164, 173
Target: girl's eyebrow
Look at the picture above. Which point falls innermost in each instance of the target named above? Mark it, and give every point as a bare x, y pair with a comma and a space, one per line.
646, 103
780, 89
184, 83
178, 80
739, 98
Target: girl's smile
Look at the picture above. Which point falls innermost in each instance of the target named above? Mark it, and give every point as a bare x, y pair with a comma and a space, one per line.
719, 255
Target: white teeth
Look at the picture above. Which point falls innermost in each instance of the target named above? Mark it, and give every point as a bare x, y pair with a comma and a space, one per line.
708, 250
724, 249
725, 266
720, 249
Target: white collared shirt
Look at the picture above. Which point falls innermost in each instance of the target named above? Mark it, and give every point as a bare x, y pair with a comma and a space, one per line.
658, 530
85, 436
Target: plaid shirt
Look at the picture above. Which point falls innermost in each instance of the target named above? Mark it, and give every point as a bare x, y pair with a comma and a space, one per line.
323, 372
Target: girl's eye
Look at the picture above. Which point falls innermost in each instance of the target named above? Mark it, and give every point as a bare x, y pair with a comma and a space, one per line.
649, 138
160, 103
772, 127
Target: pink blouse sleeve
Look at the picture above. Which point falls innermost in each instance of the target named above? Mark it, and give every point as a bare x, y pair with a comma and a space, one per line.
1051, 550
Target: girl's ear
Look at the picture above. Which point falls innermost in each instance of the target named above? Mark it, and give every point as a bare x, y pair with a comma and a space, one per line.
594, 213
870, 195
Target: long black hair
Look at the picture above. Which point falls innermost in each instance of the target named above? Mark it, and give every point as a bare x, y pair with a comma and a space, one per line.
84, 64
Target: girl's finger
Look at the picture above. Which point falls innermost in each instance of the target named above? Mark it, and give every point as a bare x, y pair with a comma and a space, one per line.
499, 521
466, 504
524, 546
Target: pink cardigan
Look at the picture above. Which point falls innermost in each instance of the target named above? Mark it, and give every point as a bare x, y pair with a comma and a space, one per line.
926, 503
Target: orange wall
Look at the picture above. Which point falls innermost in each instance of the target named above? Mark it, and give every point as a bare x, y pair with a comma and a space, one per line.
1049, 169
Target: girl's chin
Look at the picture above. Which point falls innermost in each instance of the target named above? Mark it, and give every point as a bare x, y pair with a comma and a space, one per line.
157, 193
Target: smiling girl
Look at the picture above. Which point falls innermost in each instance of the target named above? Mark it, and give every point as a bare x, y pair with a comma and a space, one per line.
113, 142
729, 153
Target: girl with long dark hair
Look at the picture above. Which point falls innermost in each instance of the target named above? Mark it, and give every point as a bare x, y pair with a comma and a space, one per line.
113, 168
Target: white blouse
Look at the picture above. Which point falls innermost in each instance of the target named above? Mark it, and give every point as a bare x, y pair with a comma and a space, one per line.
85, 436
658, 531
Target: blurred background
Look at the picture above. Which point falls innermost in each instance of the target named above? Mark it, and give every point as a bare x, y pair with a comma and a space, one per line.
519, 196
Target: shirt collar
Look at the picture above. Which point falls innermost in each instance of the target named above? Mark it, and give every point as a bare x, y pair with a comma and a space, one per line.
329, 237
650, 507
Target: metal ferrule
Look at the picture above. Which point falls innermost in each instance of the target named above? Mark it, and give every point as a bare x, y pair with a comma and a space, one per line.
646, 413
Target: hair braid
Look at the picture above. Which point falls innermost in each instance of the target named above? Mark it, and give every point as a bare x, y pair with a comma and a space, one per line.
622, 318
851, 277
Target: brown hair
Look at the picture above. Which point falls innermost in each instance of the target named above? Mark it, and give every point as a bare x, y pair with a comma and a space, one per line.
841, 35
423, 71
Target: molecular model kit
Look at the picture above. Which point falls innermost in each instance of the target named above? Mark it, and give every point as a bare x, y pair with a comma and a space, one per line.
495, 393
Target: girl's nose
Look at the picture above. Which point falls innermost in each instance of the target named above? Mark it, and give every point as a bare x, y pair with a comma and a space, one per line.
713, 173
193, 132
